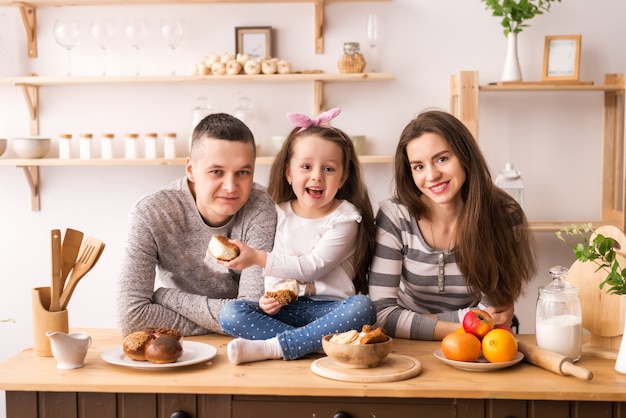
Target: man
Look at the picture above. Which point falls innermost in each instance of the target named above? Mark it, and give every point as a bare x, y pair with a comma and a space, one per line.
171, 229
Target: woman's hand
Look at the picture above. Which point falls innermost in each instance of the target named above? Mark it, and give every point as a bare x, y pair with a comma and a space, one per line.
247, 257
269, 305
502, 315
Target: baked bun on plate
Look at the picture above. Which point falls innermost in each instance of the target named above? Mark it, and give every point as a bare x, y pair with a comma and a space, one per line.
156, 345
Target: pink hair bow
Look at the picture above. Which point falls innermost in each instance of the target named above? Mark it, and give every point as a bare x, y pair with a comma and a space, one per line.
303, 122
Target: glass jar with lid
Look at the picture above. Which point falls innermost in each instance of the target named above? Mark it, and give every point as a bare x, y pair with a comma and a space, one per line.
351, 61
106, 146
559, 316
169, 145
131, 146
84, 145
65, 146
150, 145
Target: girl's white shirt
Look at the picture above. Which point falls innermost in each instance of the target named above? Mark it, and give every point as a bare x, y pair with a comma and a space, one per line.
317, 251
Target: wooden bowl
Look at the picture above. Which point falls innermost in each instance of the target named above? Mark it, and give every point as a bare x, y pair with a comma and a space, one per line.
357, 356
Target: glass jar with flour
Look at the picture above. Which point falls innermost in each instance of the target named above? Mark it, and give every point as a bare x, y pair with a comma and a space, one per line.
559, 316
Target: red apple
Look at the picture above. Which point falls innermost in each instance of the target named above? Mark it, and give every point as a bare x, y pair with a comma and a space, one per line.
477, 322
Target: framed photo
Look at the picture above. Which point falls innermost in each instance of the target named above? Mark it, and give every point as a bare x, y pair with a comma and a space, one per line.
255, 41
561, 58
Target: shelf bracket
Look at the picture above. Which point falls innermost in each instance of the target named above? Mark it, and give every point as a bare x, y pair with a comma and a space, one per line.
319, 27
31, 95
318, 97
32, 177
29, 19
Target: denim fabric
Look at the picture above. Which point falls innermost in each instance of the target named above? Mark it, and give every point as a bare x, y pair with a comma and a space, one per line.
300, 325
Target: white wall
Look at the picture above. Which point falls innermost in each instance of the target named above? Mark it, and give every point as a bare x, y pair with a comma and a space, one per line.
554, 139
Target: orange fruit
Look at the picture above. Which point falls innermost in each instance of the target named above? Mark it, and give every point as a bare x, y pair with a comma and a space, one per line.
460, 347
499, 345
460, 330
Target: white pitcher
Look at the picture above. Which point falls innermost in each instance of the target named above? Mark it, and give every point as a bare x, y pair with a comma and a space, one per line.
69, 350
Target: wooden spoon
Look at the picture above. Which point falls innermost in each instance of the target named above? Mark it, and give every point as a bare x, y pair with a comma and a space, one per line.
71, 246
89, 254
55, 285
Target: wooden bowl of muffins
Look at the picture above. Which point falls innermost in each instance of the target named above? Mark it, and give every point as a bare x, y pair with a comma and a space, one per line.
358, 350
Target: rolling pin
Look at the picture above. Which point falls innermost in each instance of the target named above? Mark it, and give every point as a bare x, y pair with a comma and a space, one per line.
552, 361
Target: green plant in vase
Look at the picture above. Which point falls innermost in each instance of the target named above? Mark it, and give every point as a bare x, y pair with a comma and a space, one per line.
515, 13
514, 16
600, 250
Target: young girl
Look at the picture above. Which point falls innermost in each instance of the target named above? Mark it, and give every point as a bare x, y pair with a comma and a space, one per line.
450, 239
324, 240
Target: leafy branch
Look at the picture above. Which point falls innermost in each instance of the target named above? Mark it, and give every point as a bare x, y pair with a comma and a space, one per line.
601, 250
515, 13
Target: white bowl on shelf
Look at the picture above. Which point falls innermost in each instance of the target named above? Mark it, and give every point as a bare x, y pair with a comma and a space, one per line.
3, 146
31, 147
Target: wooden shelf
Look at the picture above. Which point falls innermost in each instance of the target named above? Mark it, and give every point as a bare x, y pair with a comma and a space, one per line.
31, 167
73, 162
464, 92
29, 14
31, 84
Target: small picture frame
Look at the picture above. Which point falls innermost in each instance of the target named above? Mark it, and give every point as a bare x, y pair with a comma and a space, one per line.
561, 58
255, 41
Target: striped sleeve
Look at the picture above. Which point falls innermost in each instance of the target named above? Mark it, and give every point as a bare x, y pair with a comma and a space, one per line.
404, 277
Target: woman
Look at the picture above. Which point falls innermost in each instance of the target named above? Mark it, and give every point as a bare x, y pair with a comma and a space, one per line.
450, 240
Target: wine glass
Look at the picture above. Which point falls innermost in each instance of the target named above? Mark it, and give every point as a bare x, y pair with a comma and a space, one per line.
173, 32
67, 34
372, 36
136, 31
103, 32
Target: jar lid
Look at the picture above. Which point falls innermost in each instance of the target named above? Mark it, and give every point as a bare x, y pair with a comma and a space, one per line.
132, 135
151, 135
170, 134
65, 136
351, 47
108, 136
558, 289
86, 136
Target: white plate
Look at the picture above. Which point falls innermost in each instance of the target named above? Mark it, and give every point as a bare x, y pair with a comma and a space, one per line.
193, 353
481, 365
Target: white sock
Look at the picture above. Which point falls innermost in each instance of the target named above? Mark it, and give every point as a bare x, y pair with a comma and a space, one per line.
245, 351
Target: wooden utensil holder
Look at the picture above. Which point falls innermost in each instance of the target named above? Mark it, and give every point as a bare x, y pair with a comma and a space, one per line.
44, 320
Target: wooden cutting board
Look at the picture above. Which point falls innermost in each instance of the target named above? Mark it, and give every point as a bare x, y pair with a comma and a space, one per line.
393, 368
603, 314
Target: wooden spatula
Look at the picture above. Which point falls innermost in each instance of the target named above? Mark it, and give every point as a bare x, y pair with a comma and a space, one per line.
55, 284
89, 254
71, 246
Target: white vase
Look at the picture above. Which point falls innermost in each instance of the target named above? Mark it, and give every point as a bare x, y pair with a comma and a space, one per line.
620, 363
511, 70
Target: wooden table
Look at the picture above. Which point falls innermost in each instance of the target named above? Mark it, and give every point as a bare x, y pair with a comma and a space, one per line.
217, 389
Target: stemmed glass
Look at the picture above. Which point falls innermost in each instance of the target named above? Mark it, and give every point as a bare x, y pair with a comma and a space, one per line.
136, 31
103, 32
67, 34
372, 36
173, 32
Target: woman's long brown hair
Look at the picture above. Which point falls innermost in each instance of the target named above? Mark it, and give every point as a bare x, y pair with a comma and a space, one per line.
494, 246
